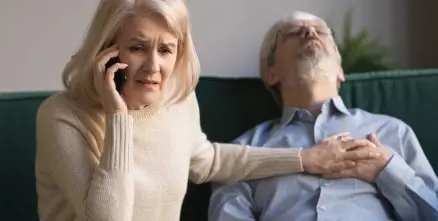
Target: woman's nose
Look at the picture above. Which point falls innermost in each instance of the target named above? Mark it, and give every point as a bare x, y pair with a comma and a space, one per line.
151, 63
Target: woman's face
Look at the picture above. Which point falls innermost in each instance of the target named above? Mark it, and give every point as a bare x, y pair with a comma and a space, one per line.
150, 50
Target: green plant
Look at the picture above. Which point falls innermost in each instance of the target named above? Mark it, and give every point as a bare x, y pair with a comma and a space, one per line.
359, 52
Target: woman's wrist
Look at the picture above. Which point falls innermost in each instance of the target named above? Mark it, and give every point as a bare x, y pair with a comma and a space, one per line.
118, 142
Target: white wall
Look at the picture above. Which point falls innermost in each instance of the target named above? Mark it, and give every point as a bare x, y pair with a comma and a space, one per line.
36, 40
228, 33
38, 37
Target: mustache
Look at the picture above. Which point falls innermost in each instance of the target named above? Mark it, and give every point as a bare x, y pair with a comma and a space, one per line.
308, 39
313, 46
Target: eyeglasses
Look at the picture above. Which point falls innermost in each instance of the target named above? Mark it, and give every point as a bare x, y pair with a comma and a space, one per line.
295, 30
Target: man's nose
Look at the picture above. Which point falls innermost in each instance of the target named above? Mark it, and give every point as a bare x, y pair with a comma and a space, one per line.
308, 31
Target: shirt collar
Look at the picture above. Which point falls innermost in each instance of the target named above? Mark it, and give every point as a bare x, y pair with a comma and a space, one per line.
338, 105
333, 105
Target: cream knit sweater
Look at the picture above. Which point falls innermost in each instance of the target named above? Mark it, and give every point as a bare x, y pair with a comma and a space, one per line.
135, 166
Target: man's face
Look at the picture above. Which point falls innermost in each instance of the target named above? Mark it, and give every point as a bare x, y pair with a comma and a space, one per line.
305, 53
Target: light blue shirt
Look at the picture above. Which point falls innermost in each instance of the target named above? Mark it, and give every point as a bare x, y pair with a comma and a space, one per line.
406, 189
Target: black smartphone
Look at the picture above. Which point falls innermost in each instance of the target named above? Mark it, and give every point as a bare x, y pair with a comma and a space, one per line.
119, 76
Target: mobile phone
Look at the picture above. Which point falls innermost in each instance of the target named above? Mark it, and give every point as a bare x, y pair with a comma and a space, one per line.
119, 75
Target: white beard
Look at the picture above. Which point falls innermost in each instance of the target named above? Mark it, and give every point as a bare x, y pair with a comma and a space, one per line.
314, 65
318, 67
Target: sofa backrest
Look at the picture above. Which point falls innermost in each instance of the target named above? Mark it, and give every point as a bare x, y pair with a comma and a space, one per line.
17, 153
228, 108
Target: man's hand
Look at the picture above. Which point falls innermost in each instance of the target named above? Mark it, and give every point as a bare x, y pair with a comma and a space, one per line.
332, 154
366, 169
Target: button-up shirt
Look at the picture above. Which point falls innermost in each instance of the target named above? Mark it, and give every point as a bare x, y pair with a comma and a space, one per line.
406, 189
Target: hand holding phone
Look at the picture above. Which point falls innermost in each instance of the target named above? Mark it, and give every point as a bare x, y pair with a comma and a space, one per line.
109, 79
119, 75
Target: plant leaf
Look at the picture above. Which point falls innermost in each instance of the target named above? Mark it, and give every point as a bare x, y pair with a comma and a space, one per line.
361, 53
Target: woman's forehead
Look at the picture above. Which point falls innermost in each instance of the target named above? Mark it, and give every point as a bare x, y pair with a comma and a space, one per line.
146, 28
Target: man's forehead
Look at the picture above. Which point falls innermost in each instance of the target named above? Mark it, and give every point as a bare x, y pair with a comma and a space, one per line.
305, 22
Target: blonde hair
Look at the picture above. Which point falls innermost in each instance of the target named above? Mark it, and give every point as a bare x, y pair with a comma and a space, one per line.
108, 19
269, 44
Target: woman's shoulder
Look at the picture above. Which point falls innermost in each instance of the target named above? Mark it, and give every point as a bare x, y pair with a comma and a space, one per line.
190, 102
187, 106
183, 111
60, 106
58, 103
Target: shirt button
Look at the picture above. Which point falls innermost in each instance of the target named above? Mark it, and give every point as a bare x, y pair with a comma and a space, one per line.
322, 208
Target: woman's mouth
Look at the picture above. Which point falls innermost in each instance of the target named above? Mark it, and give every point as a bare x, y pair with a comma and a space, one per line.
148, 84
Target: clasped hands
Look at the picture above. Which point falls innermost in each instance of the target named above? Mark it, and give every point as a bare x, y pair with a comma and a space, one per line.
341, 156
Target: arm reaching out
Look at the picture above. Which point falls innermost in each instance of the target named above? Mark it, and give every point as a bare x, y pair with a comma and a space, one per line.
228, 163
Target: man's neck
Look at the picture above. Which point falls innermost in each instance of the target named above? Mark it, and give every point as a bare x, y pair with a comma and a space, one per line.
309, 97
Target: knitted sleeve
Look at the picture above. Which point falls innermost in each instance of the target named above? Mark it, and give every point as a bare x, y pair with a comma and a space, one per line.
229, 163
96, 189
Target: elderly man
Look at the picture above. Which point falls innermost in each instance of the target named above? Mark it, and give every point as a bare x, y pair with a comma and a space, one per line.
300, 65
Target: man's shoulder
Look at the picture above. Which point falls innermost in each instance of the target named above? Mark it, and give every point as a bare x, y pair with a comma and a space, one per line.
262, 127
257, 131
383, 119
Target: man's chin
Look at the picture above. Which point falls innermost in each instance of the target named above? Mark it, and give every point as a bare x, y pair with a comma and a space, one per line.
315, 68
311, 53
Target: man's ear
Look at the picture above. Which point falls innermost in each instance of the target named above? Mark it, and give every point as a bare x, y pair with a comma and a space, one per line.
273, 77
341, 76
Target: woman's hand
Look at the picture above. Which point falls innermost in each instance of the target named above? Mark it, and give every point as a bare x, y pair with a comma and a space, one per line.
336, 153
112, 101
368, 169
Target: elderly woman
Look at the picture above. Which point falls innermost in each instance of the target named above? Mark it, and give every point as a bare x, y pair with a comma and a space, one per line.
104, 154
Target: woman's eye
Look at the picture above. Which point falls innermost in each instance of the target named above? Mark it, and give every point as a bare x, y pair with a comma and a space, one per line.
165, 51
136, 48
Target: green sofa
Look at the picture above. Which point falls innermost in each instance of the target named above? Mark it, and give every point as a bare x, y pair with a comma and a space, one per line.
228, 108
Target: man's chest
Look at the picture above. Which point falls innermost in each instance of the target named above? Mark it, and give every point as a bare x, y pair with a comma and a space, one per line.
301, 192
305, 134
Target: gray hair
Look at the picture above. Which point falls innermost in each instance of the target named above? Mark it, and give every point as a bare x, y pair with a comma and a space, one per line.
268, 47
